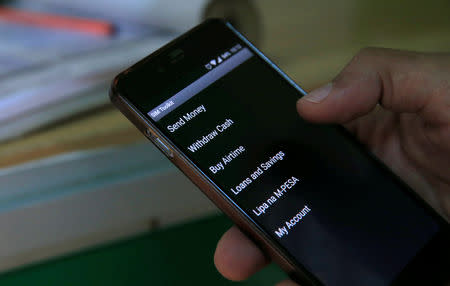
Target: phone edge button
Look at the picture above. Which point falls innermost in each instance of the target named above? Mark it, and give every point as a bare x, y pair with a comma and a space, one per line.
163, 147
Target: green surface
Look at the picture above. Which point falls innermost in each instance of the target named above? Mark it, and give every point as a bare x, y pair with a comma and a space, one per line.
181, 255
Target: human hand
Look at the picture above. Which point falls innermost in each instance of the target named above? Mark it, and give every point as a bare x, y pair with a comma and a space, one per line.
398, 104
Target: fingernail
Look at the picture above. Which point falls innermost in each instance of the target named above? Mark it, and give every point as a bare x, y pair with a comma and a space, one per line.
318, 95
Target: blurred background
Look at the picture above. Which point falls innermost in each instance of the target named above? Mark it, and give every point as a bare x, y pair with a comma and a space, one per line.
84, 198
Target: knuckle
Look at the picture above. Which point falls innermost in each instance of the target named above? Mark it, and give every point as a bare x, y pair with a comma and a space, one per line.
366, 54
369, 50
363, 62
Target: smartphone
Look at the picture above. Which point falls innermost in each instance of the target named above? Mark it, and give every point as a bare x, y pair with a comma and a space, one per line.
313, 198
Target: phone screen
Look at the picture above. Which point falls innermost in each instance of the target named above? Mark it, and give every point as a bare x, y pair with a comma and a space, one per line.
316, 193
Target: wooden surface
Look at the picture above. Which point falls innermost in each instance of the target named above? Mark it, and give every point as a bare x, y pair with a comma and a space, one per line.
99, 128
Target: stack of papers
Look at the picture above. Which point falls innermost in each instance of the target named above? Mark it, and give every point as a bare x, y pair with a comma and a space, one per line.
50, 74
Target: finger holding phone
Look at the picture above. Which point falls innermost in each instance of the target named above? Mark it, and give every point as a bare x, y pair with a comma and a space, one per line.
396, 103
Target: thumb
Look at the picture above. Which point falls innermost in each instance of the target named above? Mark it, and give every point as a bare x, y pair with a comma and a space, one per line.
399, 81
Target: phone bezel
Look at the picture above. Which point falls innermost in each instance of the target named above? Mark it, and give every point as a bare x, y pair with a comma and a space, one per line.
213, 192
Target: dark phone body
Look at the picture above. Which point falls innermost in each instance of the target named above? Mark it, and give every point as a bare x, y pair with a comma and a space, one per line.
180, 63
